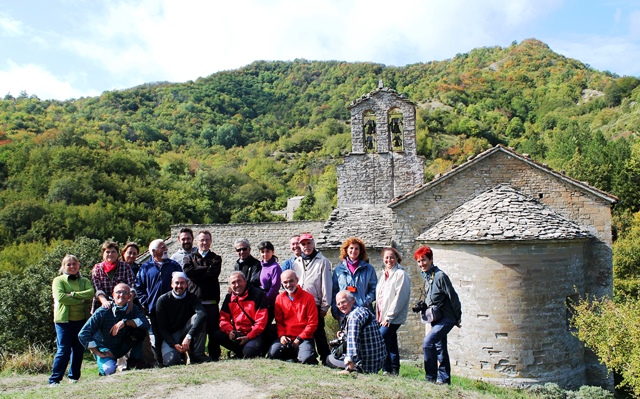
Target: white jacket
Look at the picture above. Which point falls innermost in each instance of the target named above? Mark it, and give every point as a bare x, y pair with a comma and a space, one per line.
395, 292
316, 279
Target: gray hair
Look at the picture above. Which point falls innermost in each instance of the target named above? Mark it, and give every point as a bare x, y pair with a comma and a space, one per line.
347, 295
155, 244
237, 273
242, 241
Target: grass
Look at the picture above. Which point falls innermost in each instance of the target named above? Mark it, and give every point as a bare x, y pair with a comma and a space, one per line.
257, 378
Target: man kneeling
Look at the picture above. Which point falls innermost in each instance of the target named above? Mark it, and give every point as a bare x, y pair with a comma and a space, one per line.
243, 318
365, 349
112, 332
296, 317
181, 323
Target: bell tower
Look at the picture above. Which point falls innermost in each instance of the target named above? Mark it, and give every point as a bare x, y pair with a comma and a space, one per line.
383, 163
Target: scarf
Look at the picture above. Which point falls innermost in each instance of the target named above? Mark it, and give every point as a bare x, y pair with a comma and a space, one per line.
73, 276
351, 265
311, 256
108, 267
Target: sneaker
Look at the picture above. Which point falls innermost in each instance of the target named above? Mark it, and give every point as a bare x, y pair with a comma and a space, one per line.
72, 381
53, 384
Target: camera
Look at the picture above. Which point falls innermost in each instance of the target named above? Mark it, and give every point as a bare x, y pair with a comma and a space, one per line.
419, 307
286, 347
336, 342
236, 335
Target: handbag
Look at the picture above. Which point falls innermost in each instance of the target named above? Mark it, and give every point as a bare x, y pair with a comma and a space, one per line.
432, 314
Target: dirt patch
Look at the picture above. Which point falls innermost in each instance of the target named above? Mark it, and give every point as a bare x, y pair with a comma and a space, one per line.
226, 389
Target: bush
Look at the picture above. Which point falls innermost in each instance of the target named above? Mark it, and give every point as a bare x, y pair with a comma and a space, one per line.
547, 391
586, 392
26, 309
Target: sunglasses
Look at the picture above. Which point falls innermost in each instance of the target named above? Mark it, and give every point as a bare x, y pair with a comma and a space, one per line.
241, 249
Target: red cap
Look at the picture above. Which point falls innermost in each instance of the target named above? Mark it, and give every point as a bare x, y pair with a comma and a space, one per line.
305, 236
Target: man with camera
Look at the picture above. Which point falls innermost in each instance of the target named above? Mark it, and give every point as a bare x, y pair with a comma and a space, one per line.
365, 350
243, 318
296, 321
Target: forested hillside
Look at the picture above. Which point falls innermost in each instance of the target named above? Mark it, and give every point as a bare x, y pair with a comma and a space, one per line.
235, 145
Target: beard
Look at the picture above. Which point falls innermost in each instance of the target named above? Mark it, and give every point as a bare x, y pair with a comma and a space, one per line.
290, 291
187, 246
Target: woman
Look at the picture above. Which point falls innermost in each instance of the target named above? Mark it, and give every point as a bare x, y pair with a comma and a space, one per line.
269, 275
355, 275
72, 296
109, 273
130, 254
439, 293
392, 305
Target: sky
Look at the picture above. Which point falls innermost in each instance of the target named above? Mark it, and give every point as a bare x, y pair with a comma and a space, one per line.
63, 49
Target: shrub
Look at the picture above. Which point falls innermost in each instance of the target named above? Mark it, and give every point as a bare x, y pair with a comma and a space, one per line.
586, 392
547, 391
26, 309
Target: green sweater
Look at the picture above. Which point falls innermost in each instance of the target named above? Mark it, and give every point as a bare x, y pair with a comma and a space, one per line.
75, 307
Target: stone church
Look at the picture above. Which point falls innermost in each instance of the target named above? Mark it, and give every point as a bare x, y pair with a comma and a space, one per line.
519, 241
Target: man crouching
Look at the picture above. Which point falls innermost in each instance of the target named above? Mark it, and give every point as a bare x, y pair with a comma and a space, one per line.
112, 332
365, 350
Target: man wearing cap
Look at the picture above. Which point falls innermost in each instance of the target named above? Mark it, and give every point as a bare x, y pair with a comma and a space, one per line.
181, 323
246, 263
314, 273
203, 269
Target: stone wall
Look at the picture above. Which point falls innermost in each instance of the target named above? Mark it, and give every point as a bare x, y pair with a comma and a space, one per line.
223, 236
375, 179
429, 205
515, 328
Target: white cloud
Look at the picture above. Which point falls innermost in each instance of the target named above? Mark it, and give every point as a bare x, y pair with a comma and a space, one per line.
615, 54
36, 80
10, 26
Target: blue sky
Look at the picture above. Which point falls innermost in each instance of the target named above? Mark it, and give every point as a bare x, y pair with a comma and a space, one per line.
72, 48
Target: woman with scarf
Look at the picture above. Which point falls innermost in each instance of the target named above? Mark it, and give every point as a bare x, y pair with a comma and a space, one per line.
392, 305
355, 275
109, 273
439, 293
72, 295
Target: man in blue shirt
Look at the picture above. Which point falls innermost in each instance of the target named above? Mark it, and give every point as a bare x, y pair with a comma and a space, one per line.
294, 242
153, 280
112, 332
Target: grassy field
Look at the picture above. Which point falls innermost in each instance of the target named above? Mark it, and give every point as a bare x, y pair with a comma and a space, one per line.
258, 378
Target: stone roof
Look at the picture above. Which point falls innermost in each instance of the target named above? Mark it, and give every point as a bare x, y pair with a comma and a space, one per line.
370, 94
584, 186
370, 223
503, 214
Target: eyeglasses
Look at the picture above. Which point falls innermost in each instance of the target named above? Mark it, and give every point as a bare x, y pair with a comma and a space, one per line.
241, 249
122, 292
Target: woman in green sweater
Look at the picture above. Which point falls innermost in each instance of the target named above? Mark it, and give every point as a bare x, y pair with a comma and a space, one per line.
72, 295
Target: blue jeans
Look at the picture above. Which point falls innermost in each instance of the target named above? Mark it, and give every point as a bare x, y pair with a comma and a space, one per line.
435, 351
69, 347
390, 336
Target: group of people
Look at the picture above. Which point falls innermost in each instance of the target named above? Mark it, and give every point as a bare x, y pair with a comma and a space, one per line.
271, 309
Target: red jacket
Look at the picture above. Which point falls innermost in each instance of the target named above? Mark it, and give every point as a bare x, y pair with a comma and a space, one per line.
297, 317
235, 308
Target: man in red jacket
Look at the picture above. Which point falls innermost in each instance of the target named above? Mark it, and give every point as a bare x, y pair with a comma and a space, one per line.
243, 318
296, 317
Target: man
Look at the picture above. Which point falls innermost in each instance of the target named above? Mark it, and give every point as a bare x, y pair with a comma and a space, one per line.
185, 237
152, 281
181, 323
296, 321
246, 263
294, 243
203, 269
365, 350
314, 272
112, 332
243, 318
